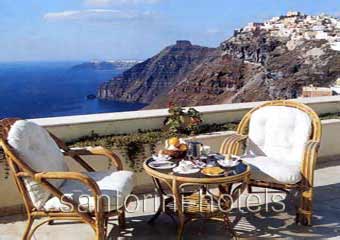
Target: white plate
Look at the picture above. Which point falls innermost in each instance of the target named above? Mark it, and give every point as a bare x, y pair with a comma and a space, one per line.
216, 155
234, 157
162, 164
189, 171
199, 164
213, 175
161, 158
229, 163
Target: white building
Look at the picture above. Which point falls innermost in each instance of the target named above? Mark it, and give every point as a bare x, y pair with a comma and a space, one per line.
293, 14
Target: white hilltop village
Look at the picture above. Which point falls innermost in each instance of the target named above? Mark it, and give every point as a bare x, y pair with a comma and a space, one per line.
297, 26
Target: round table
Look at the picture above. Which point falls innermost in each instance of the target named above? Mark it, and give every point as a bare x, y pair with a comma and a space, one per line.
199, 203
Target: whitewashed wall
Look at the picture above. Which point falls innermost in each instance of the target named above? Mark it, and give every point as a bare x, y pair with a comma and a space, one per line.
73, 127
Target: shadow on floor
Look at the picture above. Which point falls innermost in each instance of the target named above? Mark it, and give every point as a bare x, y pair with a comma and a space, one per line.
13, 218
264, 224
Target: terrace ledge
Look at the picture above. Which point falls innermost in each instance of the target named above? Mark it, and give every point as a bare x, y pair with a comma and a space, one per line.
156, 113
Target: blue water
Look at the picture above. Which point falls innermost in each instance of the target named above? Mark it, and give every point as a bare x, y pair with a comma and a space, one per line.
32, 90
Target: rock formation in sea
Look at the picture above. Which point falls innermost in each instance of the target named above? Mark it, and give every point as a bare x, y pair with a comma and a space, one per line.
116, 65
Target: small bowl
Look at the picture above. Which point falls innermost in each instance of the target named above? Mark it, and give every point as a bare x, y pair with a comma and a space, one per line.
175, 153
228, 163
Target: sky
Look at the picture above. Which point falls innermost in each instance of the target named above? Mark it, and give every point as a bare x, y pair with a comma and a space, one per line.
82, 30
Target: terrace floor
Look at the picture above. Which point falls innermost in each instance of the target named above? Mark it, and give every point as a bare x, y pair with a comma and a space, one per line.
326, 222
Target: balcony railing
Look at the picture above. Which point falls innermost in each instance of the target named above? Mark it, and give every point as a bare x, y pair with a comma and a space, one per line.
74, 127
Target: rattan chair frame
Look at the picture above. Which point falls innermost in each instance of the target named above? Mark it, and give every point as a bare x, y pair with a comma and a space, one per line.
233, 143
97, 219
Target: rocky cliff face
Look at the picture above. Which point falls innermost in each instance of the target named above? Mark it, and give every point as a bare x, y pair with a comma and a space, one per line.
262, 61
209, 83
154, 77
266, 61
291, 51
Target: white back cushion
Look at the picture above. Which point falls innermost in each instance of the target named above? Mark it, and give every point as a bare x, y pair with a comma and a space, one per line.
38, 150
279, 133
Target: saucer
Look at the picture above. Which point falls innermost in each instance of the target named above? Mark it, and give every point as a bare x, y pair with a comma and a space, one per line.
228, 163
180, 170
162, 164
161, 158
186, 167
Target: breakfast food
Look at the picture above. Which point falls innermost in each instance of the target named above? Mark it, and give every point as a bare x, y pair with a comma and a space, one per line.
174, 141
183, 147
172, 148
212, 171
175, 147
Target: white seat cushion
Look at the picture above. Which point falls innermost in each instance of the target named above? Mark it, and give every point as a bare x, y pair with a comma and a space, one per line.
115, 187
269, 170
279, 133
39, 151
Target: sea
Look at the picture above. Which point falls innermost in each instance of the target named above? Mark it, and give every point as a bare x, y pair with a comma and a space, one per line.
50, 89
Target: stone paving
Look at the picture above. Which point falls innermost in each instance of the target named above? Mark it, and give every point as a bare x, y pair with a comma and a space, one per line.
263, 224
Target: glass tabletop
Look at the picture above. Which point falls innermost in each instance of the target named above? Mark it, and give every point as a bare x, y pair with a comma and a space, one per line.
228, 171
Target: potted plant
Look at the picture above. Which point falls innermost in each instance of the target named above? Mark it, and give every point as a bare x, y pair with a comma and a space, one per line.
181, 121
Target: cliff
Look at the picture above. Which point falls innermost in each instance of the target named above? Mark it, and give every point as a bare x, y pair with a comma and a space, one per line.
154, 77
262, 61
291, 51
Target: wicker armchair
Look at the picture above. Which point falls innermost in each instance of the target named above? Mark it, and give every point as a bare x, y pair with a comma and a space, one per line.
280, 141
51, 191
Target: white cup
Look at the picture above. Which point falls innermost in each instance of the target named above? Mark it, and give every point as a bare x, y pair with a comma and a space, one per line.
205, 150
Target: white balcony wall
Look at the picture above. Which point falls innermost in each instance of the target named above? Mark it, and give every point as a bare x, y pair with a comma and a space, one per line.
73, 127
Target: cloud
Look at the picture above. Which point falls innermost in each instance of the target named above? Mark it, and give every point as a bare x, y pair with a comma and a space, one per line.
214, 31
98, 15
104, 3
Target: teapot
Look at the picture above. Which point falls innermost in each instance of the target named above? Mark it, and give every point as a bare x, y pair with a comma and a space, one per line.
194, 149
